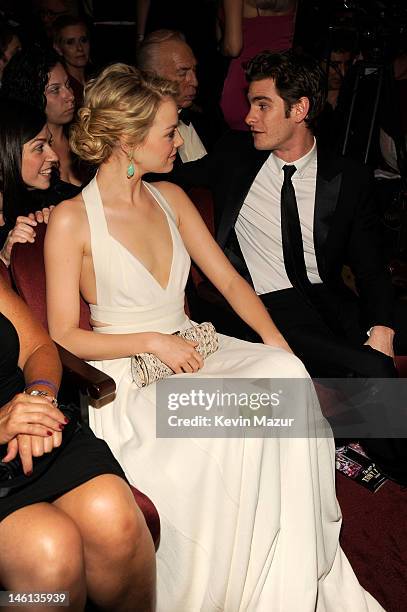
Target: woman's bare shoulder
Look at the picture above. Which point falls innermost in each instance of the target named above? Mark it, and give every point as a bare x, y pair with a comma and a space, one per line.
161, 185
69, 211
175, 196
170, 191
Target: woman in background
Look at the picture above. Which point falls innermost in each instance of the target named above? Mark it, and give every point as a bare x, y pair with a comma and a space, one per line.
71, 42
20, 205
249, 27
37, 77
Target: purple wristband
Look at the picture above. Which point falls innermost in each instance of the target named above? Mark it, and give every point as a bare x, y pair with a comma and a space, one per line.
46, 383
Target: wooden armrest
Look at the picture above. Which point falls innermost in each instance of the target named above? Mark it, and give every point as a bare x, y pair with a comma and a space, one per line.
90, 380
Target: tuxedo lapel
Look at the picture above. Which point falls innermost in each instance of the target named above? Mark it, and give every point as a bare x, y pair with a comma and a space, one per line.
237, 185
329, 181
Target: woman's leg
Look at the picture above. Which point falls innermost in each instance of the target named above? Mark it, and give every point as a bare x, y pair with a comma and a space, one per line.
42, 550
118, 548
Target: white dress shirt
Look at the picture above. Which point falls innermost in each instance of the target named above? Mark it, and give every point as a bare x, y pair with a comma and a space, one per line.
192, 148
258, 227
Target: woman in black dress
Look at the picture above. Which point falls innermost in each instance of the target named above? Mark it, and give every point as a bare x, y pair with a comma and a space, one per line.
75, 526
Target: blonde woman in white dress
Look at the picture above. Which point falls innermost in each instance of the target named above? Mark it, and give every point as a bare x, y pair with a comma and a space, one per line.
247, 524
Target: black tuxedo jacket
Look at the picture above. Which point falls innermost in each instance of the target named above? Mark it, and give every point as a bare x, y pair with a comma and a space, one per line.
346, 227
208, 131
209, 125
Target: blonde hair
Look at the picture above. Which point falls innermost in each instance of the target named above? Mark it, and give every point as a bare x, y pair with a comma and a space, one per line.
121, 102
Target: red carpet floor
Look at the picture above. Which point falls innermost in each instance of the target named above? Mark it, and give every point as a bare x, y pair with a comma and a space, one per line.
374, 538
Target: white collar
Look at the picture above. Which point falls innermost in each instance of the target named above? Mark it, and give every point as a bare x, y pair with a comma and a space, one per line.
302, 164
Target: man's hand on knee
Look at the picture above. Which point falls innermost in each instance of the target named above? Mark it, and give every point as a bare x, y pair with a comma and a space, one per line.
381, 339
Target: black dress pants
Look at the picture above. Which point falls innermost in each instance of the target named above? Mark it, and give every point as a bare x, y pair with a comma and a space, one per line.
328, 335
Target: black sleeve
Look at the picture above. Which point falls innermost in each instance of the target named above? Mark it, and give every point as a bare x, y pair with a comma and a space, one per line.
196, 173
366, 258
210, 169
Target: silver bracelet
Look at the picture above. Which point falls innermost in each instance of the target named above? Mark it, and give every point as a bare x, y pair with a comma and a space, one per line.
40, 393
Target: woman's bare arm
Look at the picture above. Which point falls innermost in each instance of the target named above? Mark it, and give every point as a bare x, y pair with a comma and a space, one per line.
233, 35
142, 10
38, 355
64, 252
212, 261
30, 425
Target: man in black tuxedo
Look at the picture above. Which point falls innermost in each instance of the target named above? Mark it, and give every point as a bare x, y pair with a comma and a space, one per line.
289, 215
297, 269
165, 53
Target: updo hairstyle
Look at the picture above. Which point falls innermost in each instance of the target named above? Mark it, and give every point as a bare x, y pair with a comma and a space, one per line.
121, 102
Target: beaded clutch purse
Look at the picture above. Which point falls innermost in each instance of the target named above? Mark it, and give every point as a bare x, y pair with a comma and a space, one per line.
146, 368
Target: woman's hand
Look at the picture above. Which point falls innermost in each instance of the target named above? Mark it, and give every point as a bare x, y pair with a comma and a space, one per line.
42, 216
29, 414
23, 231
278, 341
29, 447
179, 354
41, 445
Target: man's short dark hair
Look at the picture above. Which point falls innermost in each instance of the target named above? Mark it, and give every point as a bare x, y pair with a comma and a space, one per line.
295, 75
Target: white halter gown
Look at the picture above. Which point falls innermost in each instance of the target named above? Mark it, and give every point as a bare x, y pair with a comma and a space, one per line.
248, 525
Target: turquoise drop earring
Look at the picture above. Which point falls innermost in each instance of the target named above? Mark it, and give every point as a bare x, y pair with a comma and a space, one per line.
130, 168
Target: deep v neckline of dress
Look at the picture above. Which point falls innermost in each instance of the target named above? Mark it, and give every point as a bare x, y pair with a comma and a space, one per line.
134, 257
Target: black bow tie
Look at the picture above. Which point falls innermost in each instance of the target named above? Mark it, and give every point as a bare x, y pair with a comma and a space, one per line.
185, 116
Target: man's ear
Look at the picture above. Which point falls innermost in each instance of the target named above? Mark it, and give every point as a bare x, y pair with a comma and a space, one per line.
300, 109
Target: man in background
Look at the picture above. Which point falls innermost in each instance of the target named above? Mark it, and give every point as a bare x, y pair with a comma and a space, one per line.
165, 53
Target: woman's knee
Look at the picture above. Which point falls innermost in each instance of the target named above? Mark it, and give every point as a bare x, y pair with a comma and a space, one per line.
62, 549
116, 523
48, 550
